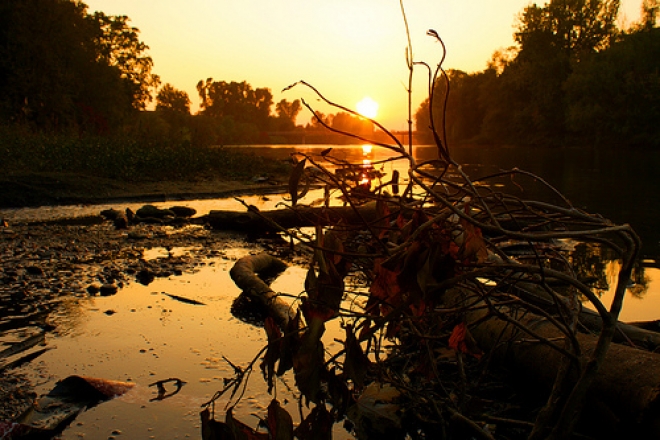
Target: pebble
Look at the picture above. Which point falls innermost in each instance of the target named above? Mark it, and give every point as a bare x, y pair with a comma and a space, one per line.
40, 263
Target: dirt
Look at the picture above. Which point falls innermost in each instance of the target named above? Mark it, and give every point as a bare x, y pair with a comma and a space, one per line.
40, 264
37, 189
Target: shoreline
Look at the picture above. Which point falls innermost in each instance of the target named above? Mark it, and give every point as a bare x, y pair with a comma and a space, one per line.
57, 189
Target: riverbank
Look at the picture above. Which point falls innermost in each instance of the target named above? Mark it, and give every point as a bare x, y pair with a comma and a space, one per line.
44, 267
25, 189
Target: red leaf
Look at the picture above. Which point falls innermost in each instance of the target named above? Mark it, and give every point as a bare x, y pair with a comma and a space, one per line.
461, 340
242, 431
474, 246
385, 285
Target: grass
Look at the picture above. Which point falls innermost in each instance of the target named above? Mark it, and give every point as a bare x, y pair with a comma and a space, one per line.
39, 168
125, 158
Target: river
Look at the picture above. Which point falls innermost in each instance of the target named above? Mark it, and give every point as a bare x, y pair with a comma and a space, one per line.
149, 336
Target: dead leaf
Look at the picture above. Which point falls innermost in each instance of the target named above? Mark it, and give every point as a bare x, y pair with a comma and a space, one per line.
294, 181
316, 426
461, 340
280, 424
357, 363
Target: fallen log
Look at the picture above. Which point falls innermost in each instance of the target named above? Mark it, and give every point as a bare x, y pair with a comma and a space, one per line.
628, 381
244, 274
274, 220
635, 334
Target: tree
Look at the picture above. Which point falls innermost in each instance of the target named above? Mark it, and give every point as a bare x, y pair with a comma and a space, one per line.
62, 68
287, 112
574, 27
118, 45
238, 101
551, 40
614, 96
650, 11
173, 100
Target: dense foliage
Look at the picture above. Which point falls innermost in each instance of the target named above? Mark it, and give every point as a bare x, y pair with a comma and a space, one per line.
573, 77
62, 68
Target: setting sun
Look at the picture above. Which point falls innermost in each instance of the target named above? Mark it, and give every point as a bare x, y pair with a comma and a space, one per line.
367, 107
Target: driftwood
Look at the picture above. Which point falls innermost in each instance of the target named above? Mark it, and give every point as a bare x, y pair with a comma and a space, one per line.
274, 220
635, 334
628, 381
244, 274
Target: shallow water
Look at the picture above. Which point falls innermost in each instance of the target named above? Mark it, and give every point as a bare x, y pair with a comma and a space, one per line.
142, 335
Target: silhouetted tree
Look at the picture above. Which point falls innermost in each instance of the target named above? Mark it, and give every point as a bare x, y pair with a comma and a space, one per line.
171, 99
118, 45
62, 68
287, 112
614, 96
238, 101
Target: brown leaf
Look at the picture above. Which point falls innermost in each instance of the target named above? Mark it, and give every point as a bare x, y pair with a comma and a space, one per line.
316, 426
273, 351
308, 362
357, 363
294, 181
212, 429
240, 430
461, 340
280, 424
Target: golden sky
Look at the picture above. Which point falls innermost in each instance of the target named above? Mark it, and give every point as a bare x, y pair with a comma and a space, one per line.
348, 49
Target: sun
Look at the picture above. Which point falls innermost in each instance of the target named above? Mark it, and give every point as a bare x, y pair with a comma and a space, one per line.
367, 107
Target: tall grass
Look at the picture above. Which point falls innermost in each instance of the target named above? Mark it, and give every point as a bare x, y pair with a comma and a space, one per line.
125, 158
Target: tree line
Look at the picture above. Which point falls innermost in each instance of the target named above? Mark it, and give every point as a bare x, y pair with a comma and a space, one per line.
573, 77
68, 71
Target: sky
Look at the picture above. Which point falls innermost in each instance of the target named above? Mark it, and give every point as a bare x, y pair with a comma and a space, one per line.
347, 49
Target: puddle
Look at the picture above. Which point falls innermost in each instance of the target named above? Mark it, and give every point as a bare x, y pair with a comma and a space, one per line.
142, 335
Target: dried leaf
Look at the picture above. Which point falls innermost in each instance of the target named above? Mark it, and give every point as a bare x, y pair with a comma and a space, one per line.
461, 340
273, 351
357, 363
240, 430
395, 182
280, 423
377, 413
474, 246
316, 426
294, 180
308, 362
212, 429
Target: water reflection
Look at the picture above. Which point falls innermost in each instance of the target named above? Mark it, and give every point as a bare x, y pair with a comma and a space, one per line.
599, 268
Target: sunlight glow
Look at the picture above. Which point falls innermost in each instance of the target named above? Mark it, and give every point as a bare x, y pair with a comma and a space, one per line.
367, 107
366, 149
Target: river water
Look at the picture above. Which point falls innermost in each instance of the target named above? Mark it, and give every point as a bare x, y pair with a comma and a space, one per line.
149, 336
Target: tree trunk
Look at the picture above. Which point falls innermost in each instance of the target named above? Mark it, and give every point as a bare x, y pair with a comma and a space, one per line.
628, 382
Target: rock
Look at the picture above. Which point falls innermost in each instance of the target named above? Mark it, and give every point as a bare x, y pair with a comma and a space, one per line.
183, 211
34, 270
150, 211
121, 222
145, 276
93, 289
111, 214
108, 289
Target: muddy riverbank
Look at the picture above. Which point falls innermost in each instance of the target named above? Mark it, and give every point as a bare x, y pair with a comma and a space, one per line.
39, 189
44, 265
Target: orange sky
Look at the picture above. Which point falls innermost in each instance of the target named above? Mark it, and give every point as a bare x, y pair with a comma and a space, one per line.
348, 49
